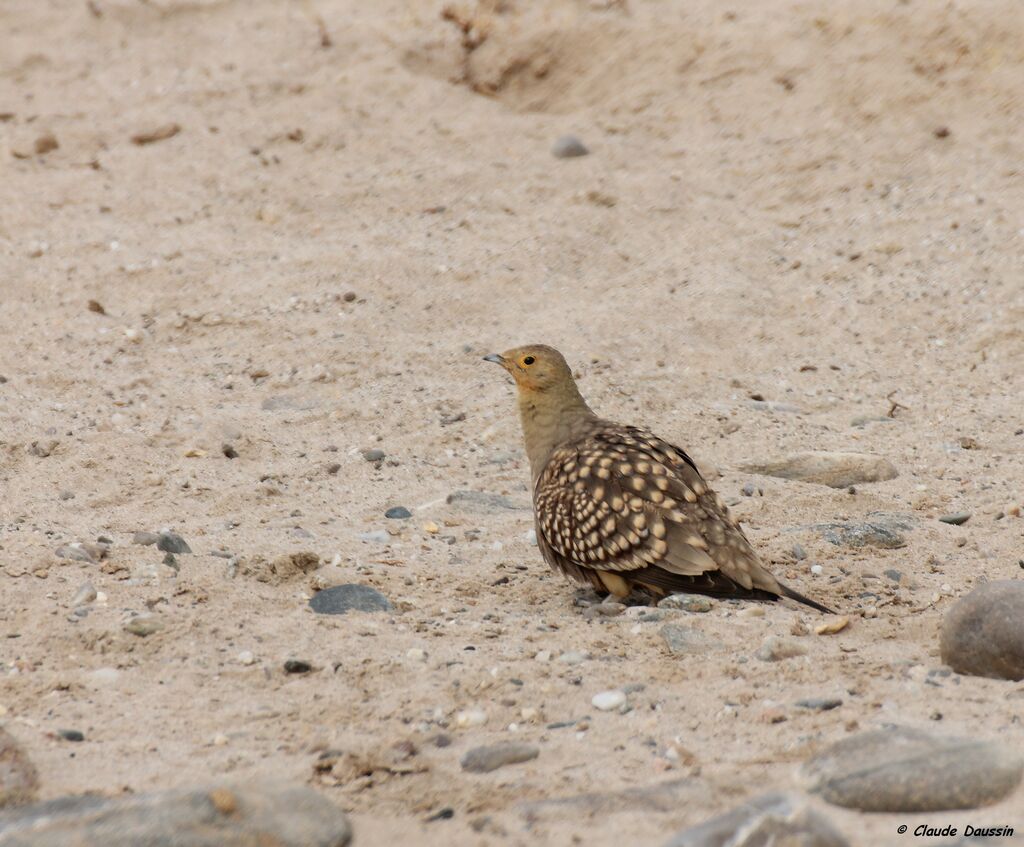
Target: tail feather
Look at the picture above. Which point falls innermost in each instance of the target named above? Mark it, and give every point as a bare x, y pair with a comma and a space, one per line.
807, 601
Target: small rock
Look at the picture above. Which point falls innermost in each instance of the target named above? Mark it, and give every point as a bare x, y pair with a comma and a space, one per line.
799, 553
255, 813
775, 649
297, 666
86, 594
899, 769
573, 657
373, 455
771, 819
893, 574
77, 552
143, 626
687, 602
340, 599
378, 536
880, 530
820, 704
685, 641
145, 538
569, 147
19, 780
228, 451
983, 633
71, 734
956, 519
470, 718
158, 133
398, 513
246, 657
494, 756
836, 470
46, 143
171, 542
484, 501
608, 701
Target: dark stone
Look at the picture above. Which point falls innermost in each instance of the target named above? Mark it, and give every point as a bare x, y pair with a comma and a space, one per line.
171, 542
771, 819
373, 455
340, 599
983, 633
398, 513
71, 734
820, 704
242, 816
494, 756
957, 519
297, 666
569, 147
899, 769
229, 451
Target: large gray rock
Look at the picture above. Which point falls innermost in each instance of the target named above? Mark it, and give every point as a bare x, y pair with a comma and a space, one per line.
983, 634
351, 597
836, 470
248, 816
771, 820
19, 781
905, 770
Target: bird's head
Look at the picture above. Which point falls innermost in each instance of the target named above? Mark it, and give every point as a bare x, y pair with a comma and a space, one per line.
536, 368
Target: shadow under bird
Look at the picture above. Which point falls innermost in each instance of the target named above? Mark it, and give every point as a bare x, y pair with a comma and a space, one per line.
618, 508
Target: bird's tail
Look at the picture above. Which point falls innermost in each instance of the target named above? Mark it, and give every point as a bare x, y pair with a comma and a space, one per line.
807, 601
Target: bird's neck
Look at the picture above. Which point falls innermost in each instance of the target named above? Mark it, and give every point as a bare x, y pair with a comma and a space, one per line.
548, 420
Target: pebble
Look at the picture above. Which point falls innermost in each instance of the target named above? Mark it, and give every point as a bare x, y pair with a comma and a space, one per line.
77, 552
377, 536
775, 649
71, 734
983, 633
246, 657
143, 626
19, 780
893, 574
799, 553
297, 666
899, 769
881, 530
569, 147
770, 819
573, 657
340, 599
398, 513
749, 489
836, 470
684, 640
956, 519
817, 570
820, 704
494, 756
470, 718
608, 701
171, 542
145, 538
278, 813
86, 594
416, 654
687, 603
374, 455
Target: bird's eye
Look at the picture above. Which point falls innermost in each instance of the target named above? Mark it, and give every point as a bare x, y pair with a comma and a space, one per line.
529, 360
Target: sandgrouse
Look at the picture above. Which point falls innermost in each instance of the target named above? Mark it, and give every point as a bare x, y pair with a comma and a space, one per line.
618, 508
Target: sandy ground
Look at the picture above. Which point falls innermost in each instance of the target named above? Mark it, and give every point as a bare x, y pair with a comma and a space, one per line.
815, 202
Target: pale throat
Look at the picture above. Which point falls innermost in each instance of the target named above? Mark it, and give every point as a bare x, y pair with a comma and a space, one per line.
549, 419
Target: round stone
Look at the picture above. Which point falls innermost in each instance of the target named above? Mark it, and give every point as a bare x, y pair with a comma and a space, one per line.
983, 633
607, 701
340, 599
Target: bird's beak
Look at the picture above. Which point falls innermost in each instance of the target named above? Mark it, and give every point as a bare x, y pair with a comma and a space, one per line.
496, 358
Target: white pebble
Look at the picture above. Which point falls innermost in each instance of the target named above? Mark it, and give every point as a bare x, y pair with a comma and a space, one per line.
416, 654
470, 718
608, 701
529, 714
543, 656
817, 570
246, 657
220, 739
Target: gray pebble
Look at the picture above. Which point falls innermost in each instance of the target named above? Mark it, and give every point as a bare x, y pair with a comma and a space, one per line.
145, 538
899, 769
771, 819
569, 147
378, 536
494, 756
880, 530
71, 734
374, 455
775, 649
86, 594
684, 640
398, 513
340, 599
171, 542
956, 519
820, 704
893, 574
687, 603
76, 552
799, 553
143, 626
749, 489
983, 633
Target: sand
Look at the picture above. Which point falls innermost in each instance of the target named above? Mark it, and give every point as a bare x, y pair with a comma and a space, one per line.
815, 203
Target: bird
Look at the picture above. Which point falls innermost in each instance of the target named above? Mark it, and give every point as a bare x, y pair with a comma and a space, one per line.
620, 509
